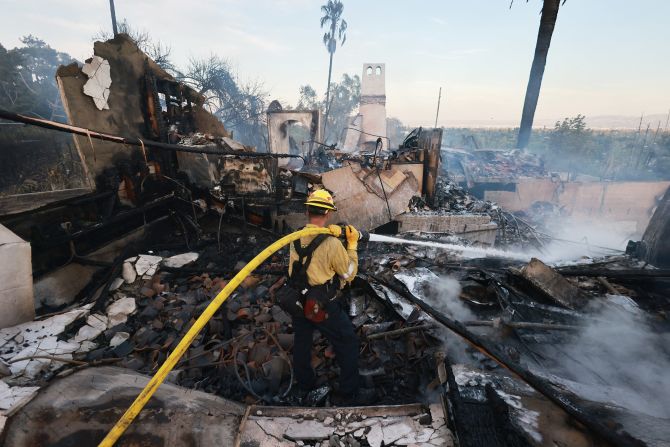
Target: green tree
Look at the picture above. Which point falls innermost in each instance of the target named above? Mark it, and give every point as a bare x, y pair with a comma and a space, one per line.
155, 49
308, 99
570, 144
240, 106
571, 133
337, 29
344, 99
28, 79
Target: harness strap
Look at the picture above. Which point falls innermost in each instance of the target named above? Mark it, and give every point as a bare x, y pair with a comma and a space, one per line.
308, 251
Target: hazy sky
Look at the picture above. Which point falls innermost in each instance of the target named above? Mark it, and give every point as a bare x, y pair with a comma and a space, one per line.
608, 57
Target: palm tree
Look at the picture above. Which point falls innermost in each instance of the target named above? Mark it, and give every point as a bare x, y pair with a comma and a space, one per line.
547, 23
337, 29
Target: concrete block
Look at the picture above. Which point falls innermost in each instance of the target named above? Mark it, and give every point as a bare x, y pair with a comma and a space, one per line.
16, 280
552, 284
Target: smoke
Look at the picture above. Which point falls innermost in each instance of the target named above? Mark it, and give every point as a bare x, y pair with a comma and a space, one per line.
444, 293
620, 358
576, 238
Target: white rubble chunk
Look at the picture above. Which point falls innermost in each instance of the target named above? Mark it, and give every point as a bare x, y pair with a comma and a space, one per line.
394, 432
181, 260
98, 71
33, 331
98, 321
275, 427
49, 346
118, 338
86, 333
375, 436
118, 311
416, 437
128, 273
11, 395
308, 430
147, 263
86, 346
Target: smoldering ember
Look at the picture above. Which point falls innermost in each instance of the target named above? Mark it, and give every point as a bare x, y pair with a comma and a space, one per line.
448, 286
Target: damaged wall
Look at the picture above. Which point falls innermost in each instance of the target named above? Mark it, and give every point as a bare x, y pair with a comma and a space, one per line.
359, 196
131, 103
125, 100
615, 201
279, 123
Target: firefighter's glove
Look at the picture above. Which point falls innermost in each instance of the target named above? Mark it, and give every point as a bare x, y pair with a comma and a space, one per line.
335, 230
352, 237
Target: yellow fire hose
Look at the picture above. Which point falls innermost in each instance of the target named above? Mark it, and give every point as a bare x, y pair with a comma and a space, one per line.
185, 342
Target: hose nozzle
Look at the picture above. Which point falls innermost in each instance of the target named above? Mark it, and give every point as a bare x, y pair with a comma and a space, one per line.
363, 236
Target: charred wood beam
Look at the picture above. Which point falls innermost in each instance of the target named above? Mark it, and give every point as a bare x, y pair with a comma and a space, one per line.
522, 325
133, 141
401, 331
118, 218
606, 430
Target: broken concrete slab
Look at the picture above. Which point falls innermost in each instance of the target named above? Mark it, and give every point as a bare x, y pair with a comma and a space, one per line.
376, 426
82, 407
365, 201
33, 357
118, 311
180, 260
308, 430
552, 285
477, 228
118, 338
128, 273
147, 264
11, 396
16, 280
34, 331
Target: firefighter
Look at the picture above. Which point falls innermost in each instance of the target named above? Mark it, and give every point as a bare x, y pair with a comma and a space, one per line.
330, 268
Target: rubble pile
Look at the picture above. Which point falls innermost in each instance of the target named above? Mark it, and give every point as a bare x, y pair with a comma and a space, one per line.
450, 198
415, 425
245, 351
503, 164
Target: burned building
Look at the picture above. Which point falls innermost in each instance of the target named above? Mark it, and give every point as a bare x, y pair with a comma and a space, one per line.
463, 343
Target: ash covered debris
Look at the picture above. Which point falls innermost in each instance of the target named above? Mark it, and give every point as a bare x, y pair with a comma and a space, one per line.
508, 229
481, 165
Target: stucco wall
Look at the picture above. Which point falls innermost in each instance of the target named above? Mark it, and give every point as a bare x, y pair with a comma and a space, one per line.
612, 201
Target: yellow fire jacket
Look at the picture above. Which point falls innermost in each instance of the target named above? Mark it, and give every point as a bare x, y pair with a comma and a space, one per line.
329, 259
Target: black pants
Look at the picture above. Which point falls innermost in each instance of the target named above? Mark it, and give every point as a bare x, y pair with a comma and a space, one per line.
339, 331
